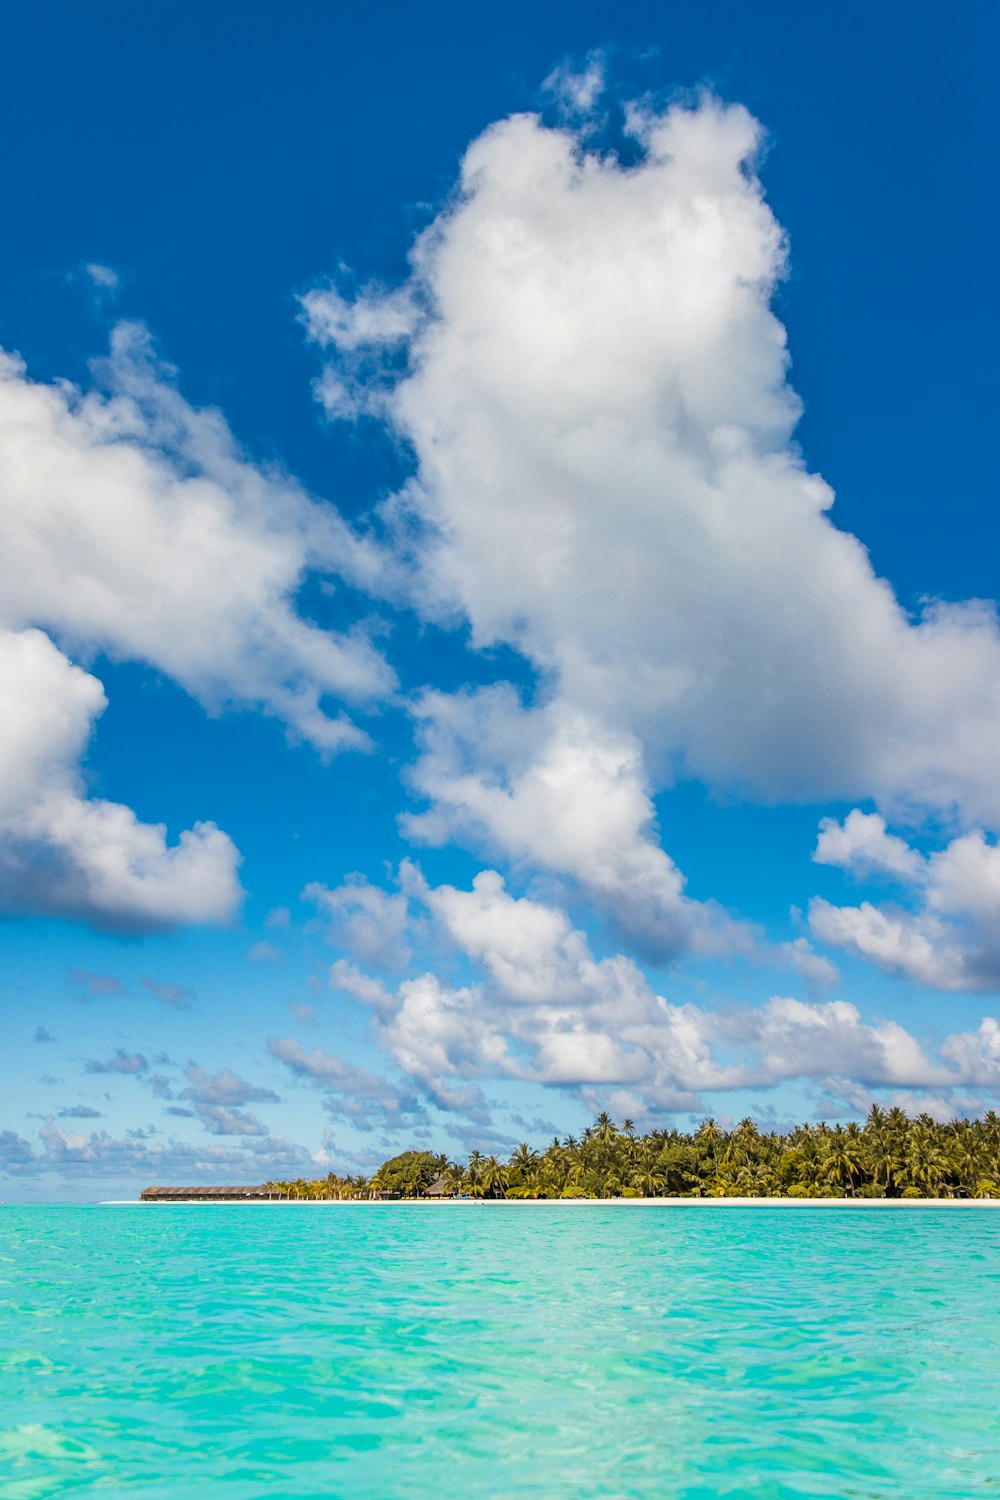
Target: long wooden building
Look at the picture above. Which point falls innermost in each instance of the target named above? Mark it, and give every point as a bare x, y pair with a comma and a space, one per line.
205, 1194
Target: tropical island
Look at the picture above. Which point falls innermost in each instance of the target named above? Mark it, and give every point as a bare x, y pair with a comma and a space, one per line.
890, 1156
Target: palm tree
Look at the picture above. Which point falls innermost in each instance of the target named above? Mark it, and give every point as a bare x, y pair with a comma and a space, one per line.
884, 1163
475, 1174
842, 1158
709, 1136
649, 1179
494, 1178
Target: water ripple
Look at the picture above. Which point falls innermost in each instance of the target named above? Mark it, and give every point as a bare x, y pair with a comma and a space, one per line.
403, 1353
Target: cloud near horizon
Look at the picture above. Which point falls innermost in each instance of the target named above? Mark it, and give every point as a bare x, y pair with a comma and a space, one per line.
541, 1008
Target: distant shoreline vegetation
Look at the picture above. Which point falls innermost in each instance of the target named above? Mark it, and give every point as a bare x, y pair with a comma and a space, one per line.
890, 1156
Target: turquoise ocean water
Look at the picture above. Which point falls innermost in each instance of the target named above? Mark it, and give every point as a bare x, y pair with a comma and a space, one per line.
448, 1352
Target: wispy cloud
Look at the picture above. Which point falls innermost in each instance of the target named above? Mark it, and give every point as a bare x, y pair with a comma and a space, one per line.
129, 1063
102, 986
176, 995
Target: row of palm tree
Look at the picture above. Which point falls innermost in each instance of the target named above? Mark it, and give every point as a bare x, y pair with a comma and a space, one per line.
890, 1156
330, 1186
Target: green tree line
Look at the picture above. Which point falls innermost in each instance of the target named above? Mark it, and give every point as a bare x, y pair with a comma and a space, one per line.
890, 1156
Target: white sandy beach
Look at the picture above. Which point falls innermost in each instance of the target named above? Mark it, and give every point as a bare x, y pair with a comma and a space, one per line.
434, 1203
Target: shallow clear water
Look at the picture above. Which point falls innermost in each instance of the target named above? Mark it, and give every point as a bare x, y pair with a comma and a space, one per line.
460, 1351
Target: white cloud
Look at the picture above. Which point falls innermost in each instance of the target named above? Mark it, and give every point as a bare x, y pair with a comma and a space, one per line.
862, 845
439, 1034
848, 1097
951, 940
377, 317
72, 1156
134, 525
102, 277
893, 940
546, 1011
529, 950
976, 1054
65, 854
597, 395
223, 1087
352, 981
219, 1119
793, 1039
376, 320
366, 1100
576, 90
217, 1099
369, 922
556, 791
549, 788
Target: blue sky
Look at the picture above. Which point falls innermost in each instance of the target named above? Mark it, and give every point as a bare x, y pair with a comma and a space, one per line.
443, 697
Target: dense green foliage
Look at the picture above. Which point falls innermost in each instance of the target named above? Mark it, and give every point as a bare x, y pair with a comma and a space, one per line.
408, 1175
890, 1156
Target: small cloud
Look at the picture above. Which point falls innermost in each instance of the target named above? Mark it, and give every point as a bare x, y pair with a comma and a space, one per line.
49, 1080
537, 1126
103, 277
122, 1062
263, 953
42, 1034
80, 1112
279, 916
177, 1109
96, 985
304, 1014
577, 89
176, 995
219, 1119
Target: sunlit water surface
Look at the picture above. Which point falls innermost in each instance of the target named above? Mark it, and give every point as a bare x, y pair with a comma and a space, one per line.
551, 1350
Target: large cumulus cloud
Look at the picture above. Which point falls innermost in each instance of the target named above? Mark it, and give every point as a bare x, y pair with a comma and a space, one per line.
596, 392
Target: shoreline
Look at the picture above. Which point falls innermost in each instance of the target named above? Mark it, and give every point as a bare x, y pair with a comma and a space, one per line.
432, 1203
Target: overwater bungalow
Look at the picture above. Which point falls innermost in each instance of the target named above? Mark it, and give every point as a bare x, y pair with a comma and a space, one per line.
205, 1194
